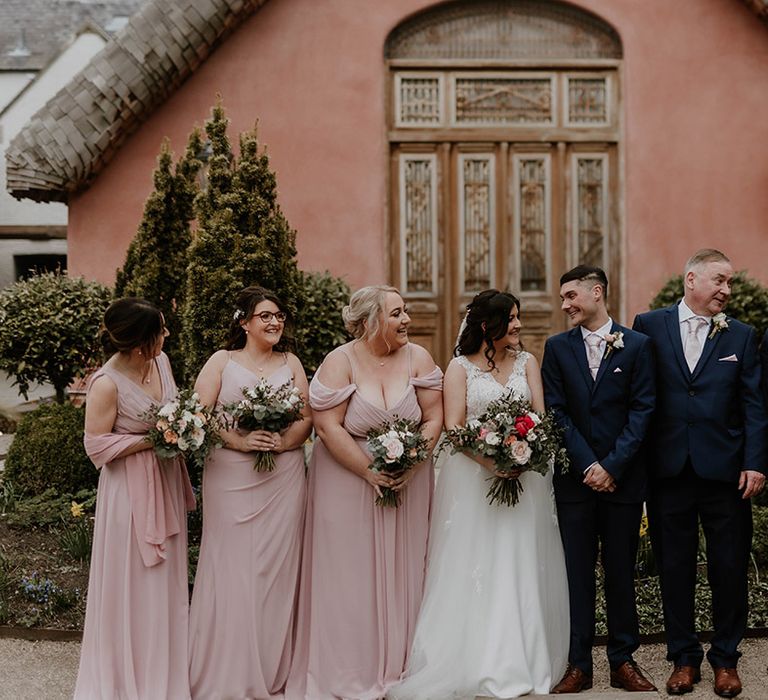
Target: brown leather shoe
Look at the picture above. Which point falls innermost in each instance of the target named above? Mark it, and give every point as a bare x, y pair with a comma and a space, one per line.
682, 680
574, 681
727, 682
631, 678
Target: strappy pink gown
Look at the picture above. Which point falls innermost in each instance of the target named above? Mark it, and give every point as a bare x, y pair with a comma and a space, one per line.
363, 568
244, 599
135, 636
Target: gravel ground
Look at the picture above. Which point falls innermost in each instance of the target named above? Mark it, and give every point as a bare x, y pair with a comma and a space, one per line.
47, 671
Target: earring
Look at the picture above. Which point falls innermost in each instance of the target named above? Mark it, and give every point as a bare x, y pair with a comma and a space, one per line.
246, 330
139, 352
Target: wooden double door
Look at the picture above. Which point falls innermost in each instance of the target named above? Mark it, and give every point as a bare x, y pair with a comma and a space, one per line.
467, 216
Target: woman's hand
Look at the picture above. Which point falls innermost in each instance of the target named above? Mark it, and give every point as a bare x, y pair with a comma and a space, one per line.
259, 441
508, 473
378, 481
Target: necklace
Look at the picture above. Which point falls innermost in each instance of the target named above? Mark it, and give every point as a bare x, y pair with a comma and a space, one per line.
376, 357
263, 362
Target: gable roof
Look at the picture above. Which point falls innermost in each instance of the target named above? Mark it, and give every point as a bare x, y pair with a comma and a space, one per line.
68, 142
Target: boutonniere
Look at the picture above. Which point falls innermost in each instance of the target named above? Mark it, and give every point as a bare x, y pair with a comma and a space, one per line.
613, 341
719, 323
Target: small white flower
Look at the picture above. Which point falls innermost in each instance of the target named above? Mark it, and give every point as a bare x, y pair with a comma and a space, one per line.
719, 323
614, 341
182, 444
492, 438
534, 417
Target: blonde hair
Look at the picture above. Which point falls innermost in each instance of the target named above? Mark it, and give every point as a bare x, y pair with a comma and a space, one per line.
362, 316
705, 255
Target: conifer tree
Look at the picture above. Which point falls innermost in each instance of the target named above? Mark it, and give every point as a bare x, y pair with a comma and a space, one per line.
242, 239
156, 262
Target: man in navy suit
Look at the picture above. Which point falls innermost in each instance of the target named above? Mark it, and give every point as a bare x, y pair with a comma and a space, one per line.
599, 380
706, 454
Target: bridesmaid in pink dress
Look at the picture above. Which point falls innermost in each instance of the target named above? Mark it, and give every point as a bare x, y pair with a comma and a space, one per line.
244, 599
363, 566
135, 637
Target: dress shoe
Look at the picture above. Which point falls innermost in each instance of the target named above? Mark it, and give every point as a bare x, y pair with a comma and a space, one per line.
727, 682
631, 678
682, 680
574, 681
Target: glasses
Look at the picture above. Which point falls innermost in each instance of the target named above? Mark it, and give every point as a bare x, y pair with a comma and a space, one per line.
267, 316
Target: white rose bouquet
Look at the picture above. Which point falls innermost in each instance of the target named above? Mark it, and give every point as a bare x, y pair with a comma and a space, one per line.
395, 447
515, 438
183, 426
264, 407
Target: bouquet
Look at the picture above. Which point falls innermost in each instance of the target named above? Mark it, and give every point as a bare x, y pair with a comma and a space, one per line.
264, 407
515, 438
395, 446
182, 426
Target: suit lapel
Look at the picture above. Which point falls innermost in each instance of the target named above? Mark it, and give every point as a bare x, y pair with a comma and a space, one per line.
706, 352
608, 358
672, 320
576, 341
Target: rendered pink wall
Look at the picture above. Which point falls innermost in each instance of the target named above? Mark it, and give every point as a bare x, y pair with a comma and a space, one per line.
695, 149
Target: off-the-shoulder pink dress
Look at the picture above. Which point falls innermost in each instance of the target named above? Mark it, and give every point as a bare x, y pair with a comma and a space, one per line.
363, 567
136, 619
244, 599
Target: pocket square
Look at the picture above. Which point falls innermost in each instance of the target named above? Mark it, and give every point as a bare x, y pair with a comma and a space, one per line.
618, 369
730, 358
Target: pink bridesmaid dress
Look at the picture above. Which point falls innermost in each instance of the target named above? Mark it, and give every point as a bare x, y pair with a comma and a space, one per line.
244, 598
363, 567
136, 620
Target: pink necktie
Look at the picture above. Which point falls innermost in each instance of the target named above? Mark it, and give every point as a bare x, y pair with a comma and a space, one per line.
693, 345
593, 353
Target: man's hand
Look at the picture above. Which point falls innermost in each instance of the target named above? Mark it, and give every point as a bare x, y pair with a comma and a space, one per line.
752, 482
599, 480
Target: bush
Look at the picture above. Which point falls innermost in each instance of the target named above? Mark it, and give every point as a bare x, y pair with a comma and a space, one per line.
48, 452
748, 303
760, 536
48, 329
319, 326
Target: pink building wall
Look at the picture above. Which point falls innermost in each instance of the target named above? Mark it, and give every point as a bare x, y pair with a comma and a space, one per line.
694, 152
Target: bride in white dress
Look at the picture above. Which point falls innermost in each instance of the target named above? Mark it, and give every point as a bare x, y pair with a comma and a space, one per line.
494, 620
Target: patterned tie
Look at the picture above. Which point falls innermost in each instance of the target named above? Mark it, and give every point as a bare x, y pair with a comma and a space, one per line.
693, 345
594, 357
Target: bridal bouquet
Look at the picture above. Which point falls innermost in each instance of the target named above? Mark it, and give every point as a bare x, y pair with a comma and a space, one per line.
515, 438
183, 426
264, 407
395, 446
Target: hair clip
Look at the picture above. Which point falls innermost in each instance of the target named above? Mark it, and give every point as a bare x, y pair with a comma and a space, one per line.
239, 313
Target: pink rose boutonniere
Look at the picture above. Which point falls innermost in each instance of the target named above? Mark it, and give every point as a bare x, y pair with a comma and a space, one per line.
719, 323
613, 341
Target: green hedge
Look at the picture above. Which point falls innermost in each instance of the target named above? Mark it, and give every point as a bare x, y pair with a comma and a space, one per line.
47, 452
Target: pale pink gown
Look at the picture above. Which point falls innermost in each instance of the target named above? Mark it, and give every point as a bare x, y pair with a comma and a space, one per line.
244, 599
135, 637
363, 567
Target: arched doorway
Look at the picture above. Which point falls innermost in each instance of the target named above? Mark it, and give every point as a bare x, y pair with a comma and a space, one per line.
504, 142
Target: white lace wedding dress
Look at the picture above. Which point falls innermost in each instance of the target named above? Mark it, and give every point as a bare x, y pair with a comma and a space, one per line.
494, 620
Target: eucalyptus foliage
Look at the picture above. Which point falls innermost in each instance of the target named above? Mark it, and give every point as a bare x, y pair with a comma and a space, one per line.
242, 239
48, 329
748, 302
156, 262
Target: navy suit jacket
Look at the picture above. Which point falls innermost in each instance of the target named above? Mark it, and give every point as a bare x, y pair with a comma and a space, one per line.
715, 416
605, 419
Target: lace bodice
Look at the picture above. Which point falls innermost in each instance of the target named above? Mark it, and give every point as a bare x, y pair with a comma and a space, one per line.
482, 387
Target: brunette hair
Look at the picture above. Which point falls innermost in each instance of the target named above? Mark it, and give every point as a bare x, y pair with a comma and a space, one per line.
131, 323
362, 316
587, 273
487, 320
245, 307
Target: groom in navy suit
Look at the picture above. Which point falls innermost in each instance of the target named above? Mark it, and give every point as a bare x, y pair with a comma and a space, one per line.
599, 380
707, 458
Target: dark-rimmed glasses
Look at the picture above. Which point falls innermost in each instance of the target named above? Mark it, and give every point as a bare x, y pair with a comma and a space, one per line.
267, 316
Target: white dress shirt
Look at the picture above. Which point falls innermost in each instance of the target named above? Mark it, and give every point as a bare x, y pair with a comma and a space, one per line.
683, 314
602, 332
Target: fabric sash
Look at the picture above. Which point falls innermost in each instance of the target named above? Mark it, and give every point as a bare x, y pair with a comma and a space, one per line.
152, 506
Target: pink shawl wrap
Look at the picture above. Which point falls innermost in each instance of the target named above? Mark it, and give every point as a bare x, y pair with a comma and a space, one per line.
154, 513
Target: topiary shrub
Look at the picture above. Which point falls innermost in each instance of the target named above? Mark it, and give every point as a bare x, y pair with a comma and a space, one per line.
748, 302
760, 536
319, 326
48, 452
48, 329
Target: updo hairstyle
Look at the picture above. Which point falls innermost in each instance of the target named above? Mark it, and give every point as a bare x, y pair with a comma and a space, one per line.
131, 323
245, 307
492, 308
362, 316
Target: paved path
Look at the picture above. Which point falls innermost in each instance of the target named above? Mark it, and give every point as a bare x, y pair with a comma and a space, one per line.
47, 671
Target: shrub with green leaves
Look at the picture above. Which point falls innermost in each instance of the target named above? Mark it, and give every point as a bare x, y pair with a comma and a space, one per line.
760, 537
319, 325
48, 329
748, 302
48, 452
